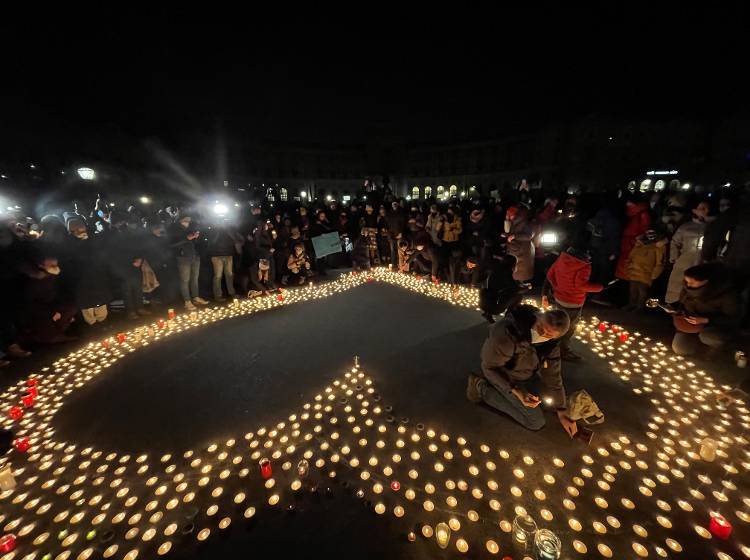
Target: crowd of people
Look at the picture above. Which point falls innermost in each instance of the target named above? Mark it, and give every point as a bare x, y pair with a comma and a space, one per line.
75, 266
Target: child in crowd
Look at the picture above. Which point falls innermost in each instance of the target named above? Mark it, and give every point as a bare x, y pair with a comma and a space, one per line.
644, 265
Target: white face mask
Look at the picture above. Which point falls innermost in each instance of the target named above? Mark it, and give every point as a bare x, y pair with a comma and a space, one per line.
507, 225
537, 338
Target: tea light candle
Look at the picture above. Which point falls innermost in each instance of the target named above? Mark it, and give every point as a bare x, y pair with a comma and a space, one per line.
708, 450
7, 482
442, 535
720, 527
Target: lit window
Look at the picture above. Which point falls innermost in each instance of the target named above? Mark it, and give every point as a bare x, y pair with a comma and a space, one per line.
453, 190
441, 191
428, 191
415, 193
283, 194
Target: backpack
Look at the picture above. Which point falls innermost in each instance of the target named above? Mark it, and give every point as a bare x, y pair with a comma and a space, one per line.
582, 407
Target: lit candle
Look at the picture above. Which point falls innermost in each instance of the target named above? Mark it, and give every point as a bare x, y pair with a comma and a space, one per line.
708, 450
720, 527
7, 482
442, 535
265, 468
524, 529
8, 543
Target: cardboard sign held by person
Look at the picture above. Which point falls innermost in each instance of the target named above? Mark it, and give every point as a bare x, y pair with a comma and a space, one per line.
326, 244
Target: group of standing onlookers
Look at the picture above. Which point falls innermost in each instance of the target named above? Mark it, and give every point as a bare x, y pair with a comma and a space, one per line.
74, 265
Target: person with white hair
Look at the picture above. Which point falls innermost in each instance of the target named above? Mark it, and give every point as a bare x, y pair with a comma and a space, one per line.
520, 347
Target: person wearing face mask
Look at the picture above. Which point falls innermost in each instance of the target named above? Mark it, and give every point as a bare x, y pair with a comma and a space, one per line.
396, 218
520, 347
44, 314
424, 259
709, 304
183, 236
434, 225
261, 277
89, 276
685, 250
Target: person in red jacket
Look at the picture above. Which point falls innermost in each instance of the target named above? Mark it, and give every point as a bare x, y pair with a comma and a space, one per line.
639, 220
567, 284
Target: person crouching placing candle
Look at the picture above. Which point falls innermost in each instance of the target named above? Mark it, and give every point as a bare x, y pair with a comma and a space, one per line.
525, 343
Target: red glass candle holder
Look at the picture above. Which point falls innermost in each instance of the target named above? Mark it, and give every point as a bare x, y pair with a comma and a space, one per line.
369, 279
623, 337
720, 527
15, 412
171, 314
395, 486
22, 444
120, 338
265, 468
280, 297
162, 323
602, 327
31, 382
105, 343
28, 401
7, 543
33, 391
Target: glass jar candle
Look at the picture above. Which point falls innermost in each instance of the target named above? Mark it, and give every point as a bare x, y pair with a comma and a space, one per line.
546, 545
524, 529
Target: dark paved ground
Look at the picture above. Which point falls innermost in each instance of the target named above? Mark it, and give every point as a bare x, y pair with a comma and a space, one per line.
221, 381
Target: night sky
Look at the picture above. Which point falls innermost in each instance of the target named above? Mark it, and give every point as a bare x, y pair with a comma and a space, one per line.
106, 83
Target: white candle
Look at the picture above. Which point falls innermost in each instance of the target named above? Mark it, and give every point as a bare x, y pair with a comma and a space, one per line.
7, 482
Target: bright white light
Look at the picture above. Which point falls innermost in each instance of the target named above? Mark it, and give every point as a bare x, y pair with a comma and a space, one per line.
86, 173
728, 184
549, 238
347, 198
303, 194
463, 194
329, 198
686, 187
408, 197
32, 166
145, 200
220, 209
548, 400
3, 176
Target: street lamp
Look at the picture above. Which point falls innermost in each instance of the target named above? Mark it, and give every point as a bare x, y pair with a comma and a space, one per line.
86, 173
145, 200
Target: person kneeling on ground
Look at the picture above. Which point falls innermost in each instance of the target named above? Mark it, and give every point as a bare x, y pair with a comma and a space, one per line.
260, 276
298, 265
567, 284
523, 344
424, 259
708, 310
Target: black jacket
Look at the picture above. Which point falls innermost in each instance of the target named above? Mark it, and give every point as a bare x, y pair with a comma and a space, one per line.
220, 242
88, 272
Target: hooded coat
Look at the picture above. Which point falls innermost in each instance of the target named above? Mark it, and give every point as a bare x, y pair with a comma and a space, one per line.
569, 279
509, 359
638, 222
684, 252
646, 261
